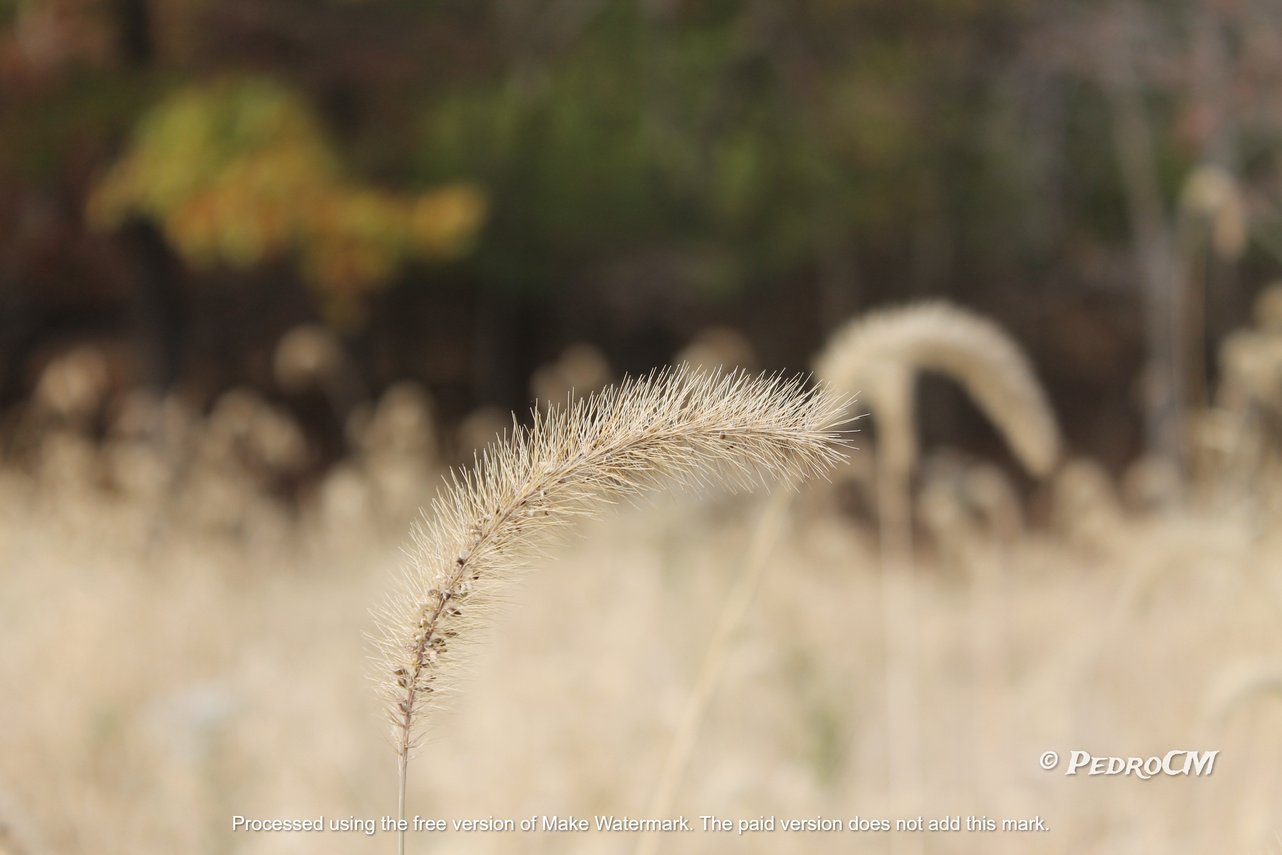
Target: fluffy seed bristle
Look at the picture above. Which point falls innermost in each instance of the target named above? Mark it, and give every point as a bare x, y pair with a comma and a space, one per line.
488, 521
881, 354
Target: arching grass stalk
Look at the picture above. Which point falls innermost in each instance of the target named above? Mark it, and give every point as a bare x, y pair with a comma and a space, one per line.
488, 522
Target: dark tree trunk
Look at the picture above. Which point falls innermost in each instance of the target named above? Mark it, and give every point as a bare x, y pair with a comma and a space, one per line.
161, 315
133, 32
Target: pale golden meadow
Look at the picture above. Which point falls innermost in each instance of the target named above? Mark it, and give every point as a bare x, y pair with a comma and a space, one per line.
166, 669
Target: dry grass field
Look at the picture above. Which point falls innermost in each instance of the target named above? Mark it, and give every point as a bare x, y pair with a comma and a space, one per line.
166, 671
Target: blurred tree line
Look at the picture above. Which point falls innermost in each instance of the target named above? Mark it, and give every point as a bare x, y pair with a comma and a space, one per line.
462, 189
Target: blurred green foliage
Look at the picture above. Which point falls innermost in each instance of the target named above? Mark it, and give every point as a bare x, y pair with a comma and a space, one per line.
716, 137
239, 171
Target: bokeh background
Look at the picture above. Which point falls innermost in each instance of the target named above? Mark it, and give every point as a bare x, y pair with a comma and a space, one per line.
268, 267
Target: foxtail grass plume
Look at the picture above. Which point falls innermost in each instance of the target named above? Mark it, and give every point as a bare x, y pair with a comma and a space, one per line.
488, 522
1267, 309
307, 357
1211, 194
881, 354
579, 371
719, 347
74, 386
